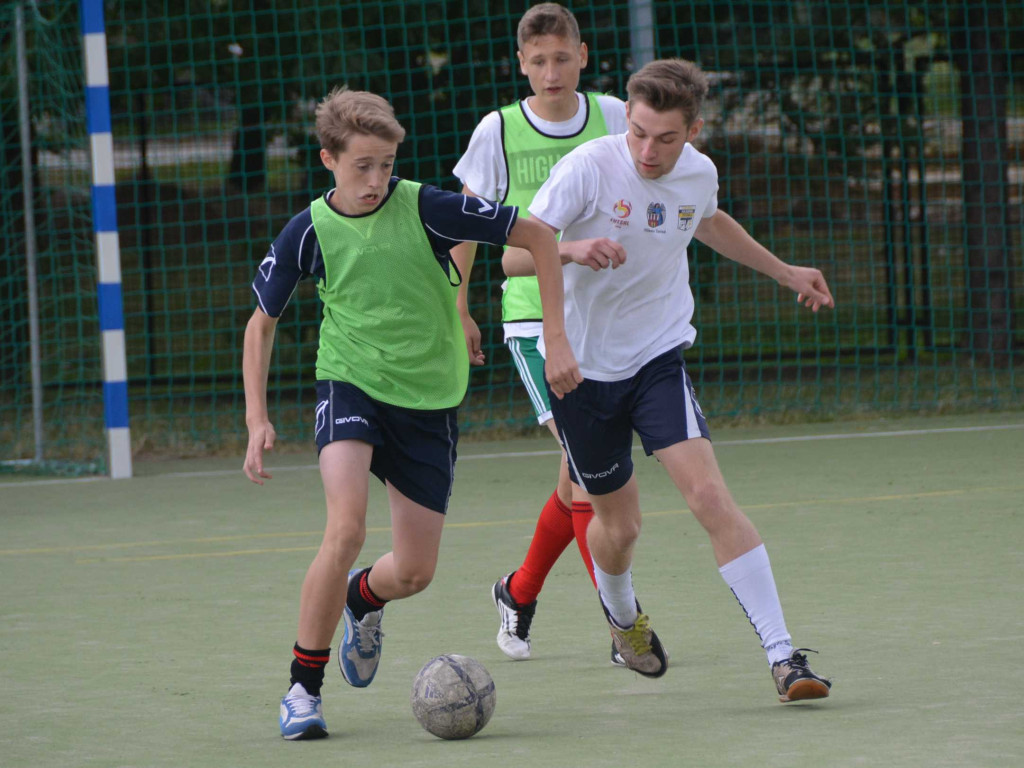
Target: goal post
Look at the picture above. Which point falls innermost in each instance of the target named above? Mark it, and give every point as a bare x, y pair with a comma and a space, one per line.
108, 249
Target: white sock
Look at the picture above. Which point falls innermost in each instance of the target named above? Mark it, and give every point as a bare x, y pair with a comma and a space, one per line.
750, 578
616, 592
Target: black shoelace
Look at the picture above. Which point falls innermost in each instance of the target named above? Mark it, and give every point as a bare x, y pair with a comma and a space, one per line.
798, 660
523, 621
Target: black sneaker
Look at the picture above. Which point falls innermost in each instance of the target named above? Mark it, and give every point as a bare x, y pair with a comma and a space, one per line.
514, 632
796, 681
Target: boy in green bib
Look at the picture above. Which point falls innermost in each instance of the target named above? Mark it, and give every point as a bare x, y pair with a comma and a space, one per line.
391, 371
508, 159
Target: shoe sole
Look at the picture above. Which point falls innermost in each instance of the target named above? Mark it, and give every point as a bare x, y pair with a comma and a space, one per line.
659, 673
803, 690
313, 732
494, 599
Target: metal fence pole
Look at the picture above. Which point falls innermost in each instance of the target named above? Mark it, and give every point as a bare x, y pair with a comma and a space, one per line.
28, 204
641, 32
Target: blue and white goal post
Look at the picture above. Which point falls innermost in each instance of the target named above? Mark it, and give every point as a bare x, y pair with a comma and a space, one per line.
108, 246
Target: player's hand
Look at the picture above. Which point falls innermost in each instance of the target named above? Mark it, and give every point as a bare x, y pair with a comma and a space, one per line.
560, 366
261, 439
472, 333
598, 253
810, 287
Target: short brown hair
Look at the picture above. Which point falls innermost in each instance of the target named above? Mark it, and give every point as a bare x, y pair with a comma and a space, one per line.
344, 112
670, 84
548, 19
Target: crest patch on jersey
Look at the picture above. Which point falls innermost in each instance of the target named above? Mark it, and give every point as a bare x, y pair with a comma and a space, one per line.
686, 214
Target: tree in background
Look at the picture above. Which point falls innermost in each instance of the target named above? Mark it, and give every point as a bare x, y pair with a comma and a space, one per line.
841, 76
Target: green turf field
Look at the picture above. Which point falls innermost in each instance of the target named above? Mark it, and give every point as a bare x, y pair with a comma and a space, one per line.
149, 622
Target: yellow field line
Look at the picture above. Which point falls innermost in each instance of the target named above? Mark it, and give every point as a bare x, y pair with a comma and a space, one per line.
523, 521
467, 524
270, 550
217, 539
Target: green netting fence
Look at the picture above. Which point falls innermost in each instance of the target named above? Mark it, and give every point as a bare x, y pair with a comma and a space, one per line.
880, 141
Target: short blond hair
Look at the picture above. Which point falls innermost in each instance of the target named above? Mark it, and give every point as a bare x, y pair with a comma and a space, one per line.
548, 19
668, 84
344, 113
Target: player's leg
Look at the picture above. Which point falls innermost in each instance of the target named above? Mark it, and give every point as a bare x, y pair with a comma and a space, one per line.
582, 515
416, 459
612, 535
743, 563
346, 452
596, 433
515, 594
552, 534
344, 468
740, 554
415, 540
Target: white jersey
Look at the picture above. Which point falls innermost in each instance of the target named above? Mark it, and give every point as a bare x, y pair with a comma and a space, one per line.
618, 320
482, 167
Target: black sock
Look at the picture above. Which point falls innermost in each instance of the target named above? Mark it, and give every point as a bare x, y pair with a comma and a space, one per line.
308, 668
361, 600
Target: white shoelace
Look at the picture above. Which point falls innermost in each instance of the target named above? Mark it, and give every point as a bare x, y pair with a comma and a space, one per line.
370, 635
302, 704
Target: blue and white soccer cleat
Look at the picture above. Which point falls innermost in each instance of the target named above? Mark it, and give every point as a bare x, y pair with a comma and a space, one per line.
302, 715
359, 653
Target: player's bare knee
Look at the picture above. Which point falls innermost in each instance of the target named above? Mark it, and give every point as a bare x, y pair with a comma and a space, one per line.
625, 533
344, 540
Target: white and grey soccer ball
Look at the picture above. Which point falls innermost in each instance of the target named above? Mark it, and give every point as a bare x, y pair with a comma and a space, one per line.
453, 696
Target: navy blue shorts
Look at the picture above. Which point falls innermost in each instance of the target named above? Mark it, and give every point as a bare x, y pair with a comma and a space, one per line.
413, 450
596, 421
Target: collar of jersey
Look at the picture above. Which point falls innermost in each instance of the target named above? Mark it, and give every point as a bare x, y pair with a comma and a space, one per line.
392, 183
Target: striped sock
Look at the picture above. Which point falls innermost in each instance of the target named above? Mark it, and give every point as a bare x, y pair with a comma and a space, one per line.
361, 600
308, 668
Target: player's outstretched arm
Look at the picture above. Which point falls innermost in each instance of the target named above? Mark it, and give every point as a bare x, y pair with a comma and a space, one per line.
727, 236
560, 367
464, 255
256, 350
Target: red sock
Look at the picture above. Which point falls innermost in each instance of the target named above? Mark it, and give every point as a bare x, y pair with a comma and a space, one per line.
582, 514
553, 534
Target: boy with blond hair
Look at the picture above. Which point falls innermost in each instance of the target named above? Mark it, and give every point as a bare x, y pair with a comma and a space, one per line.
387, 394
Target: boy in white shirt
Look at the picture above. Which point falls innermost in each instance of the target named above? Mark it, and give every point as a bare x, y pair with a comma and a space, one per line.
651, 192
508, 158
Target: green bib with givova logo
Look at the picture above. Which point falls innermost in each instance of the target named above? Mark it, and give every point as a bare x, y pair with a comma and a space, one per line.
530, 155
390, 324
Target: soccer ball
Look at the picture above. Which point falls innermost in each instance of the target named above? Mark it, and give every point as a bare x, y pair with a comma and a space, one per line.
453, 696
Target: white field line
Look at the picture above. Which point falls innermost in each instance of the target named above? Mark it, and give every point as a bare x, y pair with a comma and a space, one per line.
555, 452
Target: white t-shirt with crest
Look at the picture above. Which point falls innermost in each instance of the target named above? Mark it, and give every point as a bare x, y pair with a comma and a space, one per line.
618, 320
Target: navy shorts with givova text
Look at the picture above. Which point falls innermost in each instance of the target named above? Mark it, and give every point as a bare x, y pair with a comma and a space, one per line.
596, 421
413, 450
